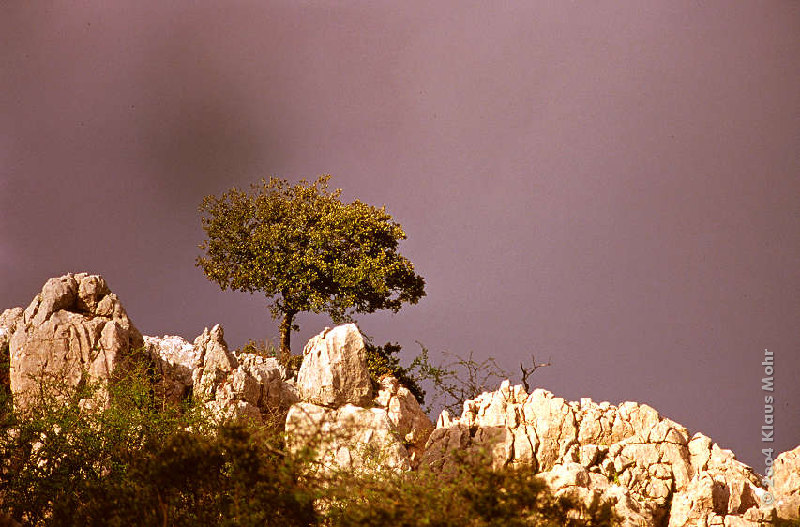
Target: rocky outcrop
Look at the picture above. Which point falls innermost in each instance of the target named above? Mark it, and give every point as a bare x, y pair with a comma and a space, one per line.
629, 455
255, 388
230, 386
175, 360
8, 324
786, 476
334, 370
404, 412
721, 488
213, 364
336, 417
647, 467
75, 329
346, 438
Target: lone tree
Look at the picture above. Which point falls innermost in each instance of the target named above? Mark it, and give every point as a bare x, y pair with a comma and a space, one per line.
306, 250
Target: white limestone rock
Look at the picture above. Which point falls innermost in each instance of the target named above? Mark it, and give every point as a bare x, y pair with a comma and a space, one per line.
334, 369
175, 359
346, 438
214, 363
74, 328
787, 484
405, 413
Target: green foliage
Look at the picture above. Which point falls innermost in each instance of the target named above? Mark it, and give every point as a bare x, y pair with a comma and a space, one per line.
5, 382
292, 363
384, 360
232, 477
71, 460
306, 250
259, 347
138, 462
473, 494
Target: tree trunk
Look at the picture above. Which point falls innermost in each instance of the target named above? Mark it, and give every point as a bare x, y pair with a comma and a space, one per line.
286, 336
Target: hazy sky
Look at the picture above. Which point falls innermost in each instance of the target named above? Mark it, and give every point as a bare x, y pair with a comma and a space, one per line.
613, 185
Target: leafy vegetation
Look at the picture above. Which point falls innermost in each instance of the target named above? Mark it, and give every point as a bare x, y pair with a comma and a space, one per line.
385, 360
117, 455
306, 250
473, 495
259, 347
5, 381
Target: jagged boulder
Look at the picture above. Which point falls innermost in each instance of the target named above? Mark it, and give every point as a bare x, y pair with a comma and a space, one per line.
405, 413
8, 324
254, 388
786, 475
230, 387
275, 389
75, 329
334, 370
175, 359
346, 438
337, 417
213, 364
590, 490
720, 486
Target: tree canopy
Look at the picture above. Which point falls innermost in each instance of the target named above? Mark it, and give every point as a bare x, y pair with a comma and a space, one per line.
306, 250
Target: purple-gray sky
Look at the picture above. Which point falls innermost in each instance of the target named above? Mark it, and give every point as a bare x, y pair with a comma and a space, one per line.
614, 185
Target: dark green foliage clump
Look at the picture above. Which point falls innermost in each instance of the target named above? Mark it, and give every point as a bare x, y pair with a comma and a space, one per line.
473, 495
231, 477
139, 461
5, 382
384, 360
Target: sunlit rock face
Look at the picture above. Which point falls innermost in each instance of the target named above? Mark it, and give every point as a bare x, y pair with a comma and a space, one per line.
74, 330
77, 330
649, 468
337, 418
628, 455
405, 414
349, 437
175, 359
787, 484
229, 385
334, 370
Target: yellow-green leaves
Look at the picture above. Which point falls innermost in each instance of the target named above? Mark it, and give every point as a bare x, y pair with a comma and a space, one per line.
307, 250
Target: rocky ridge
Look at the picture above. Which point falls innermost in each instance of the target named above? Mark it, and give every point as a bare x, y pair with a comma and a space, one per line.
646, 465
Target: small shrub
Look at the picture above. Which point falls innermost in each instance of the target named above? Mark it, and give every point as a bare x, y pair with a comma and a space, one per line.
262, 348
385, 360
473, 494
464, 378
137, 462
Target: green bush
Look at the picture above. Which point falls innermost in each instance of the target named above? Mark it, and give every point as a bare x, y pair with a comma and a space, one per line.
259, 347
473, 495
384, 360
137, 461
5, 382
